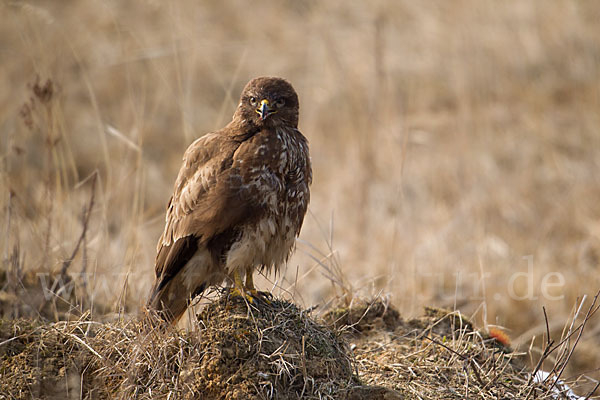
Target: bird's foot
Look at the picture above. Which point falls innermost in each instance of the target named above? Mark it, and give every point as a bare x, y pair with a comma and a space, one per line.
265, 296
261, 296
244, 294
252, 295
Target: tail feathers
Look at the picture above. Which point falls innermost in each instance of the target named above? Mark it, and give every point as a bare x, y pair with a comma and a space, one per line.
170, 302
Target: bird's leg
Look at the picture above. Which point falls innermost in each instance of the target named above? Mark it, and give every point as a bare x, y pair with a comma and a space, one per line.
249, 281
238, 287
237, 280
247, 290
252, 290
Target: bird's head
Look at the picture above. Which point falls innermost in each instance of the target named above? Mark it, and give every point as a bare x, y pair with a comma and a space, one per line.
268, 101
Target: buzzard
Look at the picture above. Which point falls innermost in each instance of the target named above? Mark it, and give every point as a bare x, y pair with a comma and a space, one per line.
239, 200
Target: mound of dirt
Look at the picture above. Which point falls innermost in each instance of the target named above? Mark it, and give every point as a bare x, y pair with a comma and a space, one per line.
267, 349
364, 316
40, 361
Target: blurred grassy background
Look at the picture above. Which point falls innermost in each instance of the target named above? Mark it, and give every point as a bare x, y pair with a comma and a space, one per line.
454, 144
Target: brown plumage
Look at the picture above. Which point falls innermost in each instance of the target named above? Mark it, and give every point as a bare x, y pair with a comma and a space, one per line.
239, 200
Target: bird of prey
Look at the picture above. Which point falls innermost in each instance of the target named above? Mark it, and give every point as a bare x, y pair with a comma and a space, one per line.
239, 200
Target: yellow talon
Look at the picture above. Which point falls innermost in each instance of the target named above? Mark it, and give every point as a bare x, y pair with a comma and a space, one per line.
239, 289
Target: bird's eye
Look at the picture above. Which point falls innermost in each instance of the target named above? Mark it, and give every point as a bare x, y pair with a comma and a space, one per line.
279, 103
253, 100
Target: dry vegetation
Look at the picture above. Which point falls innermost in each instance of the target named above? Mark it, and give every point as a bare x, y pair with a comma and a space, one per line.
455, 146
270, 349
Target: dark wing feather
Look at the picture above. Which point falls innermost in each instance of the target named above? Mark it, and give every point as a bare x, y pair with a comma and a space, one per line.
174, 257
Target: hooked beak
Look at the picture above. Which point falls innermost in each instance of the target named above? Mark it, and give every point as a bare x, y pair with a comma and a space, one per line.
263, 110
